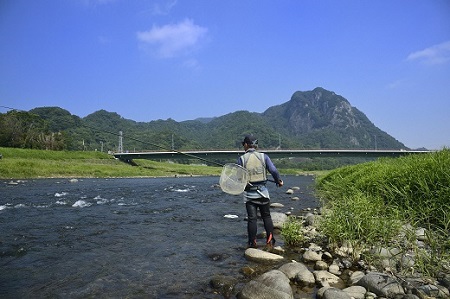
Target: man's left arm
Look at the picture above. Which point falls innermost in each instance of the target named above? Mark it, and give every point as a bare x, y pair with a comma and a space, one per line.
273, 170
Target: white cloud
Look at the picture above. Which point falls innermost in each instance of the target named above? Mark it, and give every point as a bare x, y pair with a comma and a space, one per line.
173, 39
437, 54
163, 9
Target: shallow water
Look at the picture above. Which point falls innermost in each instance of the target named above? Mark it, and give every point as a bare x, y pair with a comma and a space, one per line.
143, 237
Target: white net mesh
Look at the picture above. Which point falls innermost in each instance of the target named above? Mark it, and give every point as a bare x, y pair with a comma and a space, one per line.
233, 179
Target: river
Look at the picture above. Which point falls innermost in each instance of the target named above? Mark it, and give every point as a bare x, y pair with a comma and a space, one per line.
115, 238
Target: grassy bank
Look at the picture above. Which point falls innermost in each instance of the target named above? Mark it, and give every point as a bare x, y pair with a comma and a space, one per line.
367, 204
26, 163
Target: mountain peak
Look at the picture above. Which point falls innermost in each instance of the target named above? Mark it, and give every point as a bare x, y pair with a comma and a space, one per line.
323, 112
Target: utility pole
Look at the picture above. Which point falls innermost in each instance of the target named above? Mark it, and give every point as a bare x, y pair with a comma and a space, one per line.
120, 149
173, 145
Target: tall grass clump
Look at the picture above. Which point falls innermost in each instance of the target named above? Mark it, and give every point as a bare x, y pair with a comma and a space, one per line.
366, 203
359, 220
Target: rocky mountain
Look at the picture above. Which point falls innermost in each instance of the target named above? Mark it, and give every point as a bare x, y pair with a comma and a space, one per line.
310, 119
323, 119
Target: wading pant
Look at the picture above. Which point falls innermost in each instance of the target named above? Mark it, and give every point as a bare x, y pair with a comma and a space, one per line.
252, 229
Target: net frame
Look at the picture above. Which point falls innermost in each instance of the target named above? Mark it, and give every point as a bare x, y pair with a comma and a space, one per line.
233, 179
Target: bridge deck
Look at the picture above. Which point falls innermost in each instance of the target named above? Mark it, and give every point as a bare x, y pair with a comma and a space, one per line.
231, 156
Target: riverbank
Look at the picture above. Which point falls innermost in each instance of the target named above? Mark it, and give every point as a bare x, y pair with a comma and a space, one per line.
367, 205
382, 231
27, 163
325, 271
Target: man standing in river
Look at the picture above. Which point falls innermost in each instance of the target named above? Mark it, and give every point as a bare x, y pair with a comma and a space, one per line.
256, 195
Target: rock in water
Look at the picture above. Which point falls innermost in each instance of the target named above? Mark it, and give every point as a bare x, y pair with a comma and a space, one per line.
276, 205
260, 256
273, 284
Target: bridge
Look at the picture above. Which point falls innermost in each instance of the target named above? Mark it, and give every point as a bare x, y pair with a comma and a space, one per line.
227, 156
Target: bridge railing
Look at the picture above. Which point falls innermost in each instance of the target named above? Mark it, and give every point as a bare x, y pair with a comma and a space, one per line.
232, 155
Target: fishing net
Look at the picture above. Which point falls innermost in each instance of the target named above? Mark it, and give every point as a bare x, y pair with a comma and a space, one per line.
233, 179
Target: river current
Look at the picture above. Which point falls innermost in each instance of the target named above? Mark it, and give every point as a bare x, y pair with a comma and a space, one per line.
116, 238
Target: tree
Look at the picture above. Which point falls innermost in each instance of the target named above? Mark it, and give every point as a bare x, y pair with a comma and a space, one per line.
28, 130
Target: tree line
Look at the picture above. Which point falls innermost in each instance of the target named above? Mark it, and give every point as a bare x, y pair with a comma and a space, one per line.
22, 129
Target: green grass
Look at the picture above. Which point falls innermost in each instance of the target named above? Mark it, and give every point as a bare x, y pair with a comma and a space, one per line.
366, 204
27, 163
292, 231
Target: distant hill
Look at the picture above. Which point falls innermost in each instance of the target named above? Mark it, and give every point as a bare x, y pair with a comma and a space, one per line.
310, 119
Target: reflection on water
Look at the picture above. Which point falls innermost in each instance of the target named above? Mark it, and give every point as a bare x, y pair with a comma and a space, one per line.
152, 237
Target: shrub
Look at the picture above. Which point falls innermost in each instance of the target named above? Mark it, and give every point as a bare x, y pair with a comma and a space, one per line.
292, 231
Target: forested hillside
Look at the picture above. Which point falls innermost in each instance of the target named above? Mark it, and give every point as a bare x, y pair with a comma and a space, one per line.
310, 119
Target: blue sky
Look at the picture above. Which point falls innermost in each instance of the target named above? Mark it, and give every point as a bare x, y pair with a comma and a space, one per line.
149, 60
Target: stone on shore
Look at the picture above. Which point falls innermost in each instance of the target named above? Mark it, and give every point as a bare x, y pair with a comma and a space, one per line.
356, 276
320, 265
311, 256
381, 284
298, 272
291, 269
311, 219
273, 284
261, 256
431, 291
333, 293
305, 277
334, 269
278, 219
325, 278
357, 292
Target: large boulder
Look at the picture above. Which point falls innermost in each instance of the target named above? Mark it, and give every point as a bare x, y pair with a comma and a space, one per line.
291, 269
270, 285
298, 272
261, 256
278, 219
381, 284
